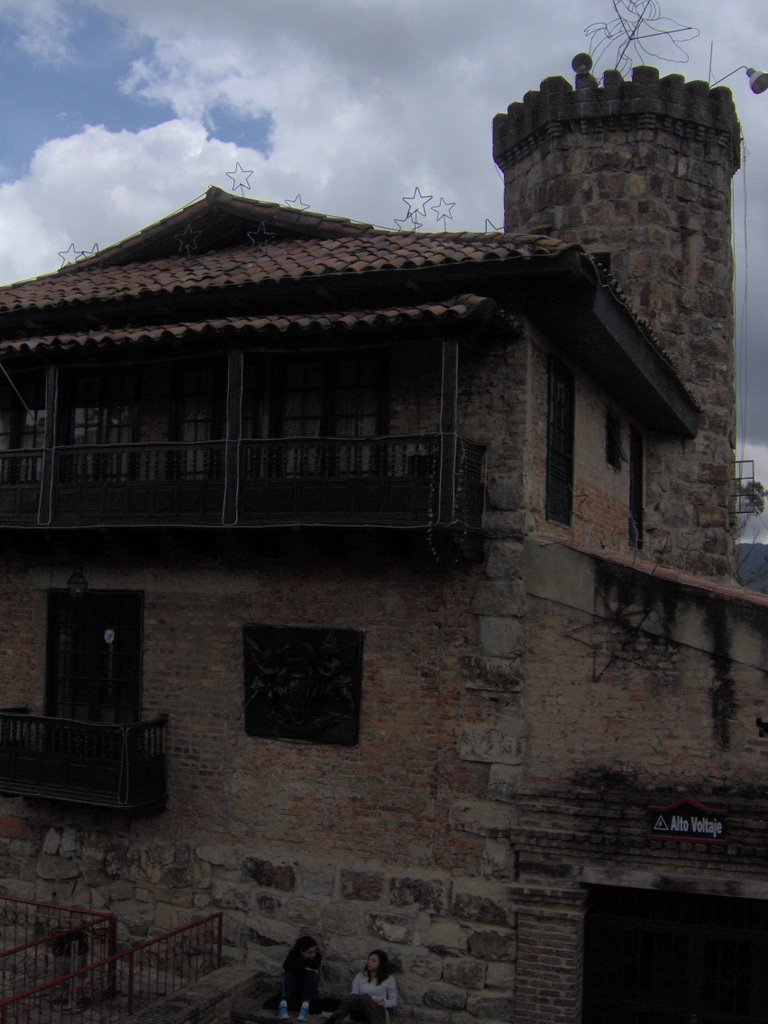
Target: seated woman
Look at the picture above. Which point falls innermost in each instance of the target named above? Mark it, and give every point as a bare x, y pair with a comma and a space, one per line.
374, 992
299, 981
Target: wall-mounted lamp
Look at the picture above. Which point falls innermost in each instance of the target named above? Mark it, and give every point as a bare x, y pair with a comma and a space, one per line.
758, 80
77, 584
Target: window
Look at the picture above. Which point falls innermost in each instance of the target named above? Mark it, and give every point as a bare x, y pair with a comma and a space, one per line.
22, 413
199, 406
559, 504
22, 429
614, 452
635, 488
100, 408
199, 418
335, 397
94, 656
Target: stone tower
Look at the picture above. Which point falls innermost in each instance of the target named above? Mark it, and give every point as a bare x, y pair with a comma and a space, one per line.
639, 171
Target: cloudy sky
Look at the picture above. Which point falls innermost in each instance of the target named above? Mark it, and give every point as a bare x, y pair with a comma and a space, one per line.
117, 112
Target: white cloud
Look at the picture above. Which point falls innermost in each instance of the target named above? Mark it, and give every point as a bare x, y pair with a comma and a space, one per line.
100, 186
41, 27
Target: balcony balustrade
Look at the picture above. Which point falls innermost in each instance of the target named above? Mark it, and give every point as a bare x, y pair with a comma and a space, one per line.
118, 766
421, 480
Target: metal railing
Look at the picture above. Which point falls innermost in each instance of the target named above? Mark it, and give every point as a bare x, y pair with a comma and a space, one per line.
120, 985
399, 481
140, 463
33, 932
30, 964
83, 762
407, 480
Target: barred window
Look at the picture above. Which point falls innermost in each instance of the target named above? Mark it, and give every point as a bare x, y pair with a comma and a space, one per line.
635, 488
560, 405
94, 656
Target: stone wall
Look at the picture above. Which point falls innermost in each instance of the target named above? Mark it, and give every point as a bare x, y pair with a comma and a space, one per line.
641, 170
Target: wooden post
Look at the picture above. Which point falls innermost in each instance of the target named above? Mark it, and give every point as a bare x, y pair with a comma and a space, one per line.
234, 428
449, 413
45, 504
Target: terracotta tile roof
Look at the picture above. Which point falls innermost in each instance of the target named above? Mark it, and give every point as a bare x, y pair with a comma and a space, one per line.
728, 591
462, 307
283, 260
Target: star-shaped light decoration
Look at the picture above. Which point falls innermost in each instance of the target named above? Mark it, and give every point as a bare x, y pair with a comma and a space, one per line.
409, 223
240, 178
83, 255
70, 255
443, 210
260, 239
297, 203
187, 240
417, 203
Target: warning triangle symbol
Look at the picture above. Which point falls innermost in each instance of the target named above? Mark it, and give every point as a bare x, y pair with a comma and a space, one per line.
661, 824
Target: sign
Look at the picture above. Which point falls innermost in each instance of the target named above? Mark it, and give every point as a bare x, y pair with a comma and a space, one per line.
688, 821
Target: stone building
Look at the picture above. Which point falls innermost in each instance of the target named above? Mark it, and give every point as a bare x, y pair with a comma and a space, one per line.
376, 585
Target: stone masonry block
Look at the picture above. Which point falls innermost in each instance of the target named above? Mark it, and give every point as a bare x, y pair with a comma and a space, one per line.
498, 860
500, 636
476, 906
391, 928
504, 781
504, 559
220, 855
270, 933
426, 968
504, 675
489, 1007
361, 885
445, 997
467, 973
500, 975
56, 869
499, 597
318, 882
426, 893
304, 913
268, 904
493, 945
506, 492
272, 876
340, 919
446, 937
482, 818
500, 742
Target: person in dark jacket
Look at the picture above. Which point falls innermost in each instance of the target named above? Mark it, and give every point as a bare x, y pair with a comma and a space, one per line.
301, 974
299, 982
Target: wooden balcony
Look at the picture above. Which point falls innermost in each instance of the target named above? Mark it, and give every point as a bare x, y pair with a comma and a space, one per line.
117, 766
424, 480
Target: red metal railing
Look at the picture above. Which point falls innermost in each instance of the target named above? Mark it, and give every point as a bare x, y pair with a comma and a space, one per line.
31, 963
28, 927
119, 985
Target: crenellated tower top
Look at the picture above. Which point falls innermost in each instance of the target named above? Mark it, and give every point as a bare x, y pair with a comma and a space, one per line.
640, 172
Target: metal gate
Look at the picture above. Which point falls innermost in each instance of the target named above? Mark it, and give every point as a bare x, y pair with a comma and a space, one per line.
656, 957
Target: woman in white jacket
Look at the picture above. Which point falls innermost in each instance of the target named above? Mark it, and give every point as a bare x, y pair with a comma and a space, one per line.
374, 992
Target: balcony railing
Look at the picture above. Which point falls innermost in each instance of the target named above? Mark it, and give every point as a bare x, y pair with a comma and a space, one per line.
424, 480
120, 766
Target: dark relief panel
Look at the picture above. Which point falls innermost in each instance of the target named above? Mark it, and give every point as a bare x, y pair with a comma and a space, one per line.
303, 683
